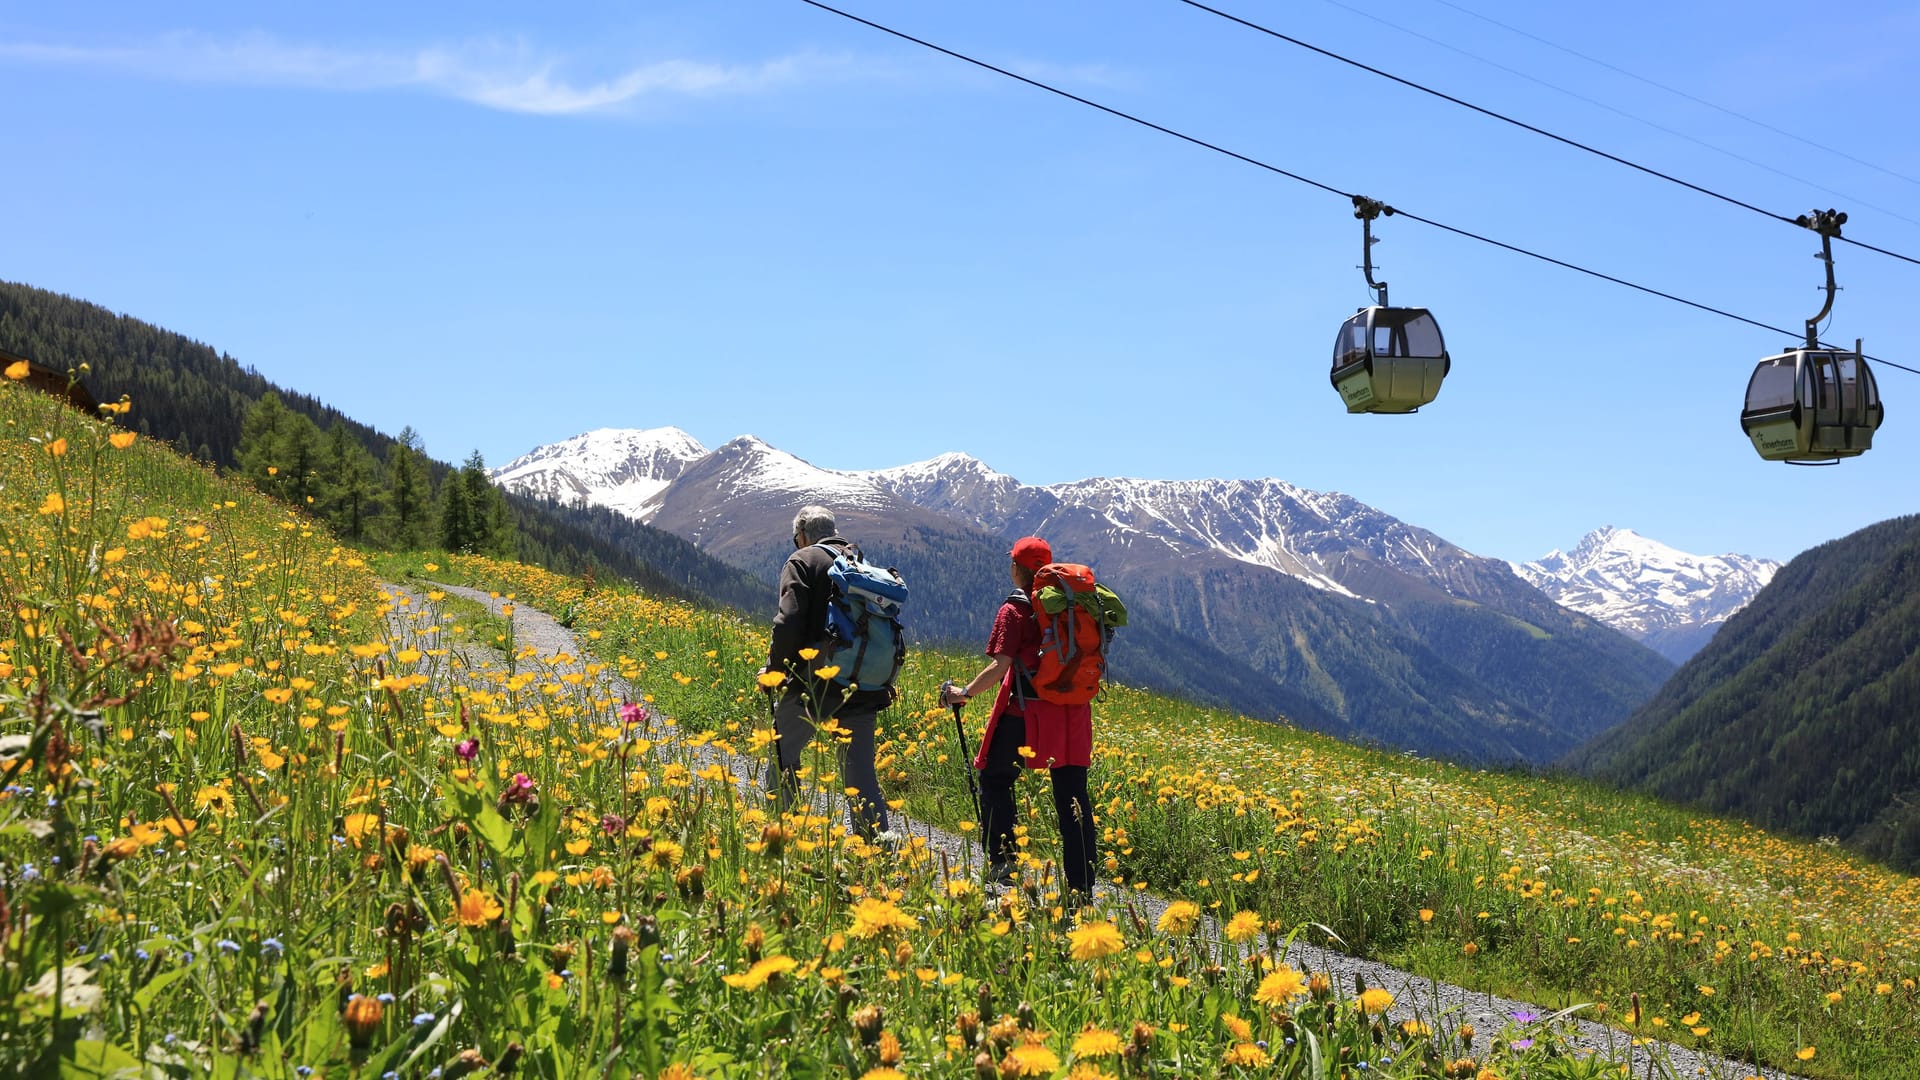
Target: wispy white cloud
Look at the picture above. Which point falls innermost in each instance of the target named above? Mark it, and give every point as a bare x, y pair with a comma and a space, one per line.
509, 76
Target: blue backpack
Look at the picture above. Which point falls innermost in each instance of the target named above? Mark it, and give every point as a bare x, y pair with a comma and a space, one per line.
863, 620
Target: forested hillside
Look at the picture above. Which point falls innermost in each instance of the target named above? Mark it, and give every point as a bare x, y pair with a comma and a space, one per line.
372, 487
1803, 713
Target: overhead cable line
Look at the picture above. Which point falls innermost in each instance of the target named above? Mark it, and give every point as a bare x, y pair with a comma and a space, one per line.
1852, 200
1677, 92
1522, 124
1329, 188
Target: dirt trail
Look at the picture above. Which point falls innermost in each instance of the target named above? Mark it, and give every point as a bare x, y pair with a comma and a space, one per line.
559, 653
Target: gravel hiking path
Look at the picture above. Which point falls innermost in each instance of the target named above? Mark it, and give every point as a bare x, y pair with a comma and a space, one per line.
556, 653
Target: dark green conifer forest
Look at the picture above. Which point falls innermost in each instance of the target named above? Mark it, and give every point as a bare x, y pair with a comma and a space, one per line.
375, 489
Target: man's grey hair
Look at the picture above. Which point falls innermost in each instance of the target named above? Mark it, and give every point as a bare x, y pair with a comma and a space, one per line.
815, 523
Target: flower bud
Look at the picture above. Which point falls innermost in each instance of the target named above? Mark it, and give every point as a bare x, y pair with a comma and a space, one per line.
362, 1016
868, 1021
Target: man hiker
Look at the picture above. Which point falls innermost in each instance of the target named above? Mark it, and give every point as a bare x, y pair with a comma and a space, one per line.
1025, 731
806, 699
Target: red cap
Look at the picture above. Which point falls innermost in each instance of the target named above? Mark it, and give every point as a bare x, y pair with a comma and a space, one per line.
1031, 552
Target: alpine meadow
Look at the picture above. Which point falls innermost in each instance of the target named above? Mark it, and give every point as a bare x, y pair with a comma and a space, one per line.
279, 805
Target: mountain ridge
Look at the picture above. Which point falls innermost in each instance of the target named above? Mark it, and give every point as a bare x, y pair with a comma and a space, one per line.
1348, 619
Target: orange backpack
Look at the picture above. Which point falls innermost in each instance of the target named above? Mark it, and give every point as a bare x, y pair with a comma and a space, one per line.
1077, 617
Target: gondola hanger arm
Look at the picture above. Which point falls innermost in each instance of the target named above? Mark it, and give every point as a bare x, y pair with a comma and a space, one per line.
1827, 223
1366, 210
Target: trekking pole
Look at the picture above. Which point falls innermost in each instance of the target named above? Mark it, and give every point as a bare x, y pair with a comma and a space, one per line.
966, 755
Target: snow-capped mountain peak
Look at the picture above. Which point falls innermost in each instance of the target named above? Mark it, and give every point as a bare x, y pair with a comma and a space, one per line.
750, 464
620, 468
1670, 599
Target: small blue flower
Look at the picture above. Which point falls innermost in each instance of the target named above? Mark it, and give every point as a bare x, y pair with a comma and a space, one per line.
303, 1070
272, 947
385, 999
422, 1019
29, 872
228, 945
433, 1073
142, 954
390, 1074
92, 838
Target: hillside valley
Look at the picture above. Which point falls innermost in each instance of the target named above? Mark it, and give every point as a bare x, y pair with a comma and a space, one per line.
1803, 713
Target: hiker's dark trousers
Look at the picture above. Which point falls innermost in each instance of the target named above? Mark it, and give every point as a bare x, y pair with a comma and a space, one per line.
1071, 802
795, 718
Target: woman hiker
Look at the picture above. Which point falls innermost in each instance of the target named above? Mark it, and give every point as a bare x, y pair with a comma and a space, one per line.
1024, 731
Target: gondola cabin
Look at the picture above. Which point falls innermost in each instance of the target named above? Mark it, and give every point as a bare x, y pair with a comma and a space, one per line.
1389, 360
1812, 405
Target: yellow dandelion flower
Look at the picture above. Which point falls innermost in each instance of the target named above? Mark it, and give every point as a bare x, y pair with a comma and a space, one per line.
1095, 940
1180, 918
1096, 1042
761, 973
214, 799
1281, 986
477, 909
1374, 1001
1030, 1059
1236, 1027
1246, 1054
1244, 926
873, 916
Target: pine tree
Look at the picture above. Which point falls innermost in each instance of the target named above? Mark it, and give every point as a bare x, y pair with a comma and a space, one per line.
261, 435
407, 494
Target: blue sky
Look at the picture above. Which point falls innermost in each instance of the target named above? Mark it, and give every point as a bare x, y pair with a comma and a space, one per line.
504, 227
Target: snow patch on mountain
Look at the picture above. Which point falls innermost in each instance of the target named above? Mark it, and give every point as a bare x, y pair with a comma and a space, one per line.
1648, 590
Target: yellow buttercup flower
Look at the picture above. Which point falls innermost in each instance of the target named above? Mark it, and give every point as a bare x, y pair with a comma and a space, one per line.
121, 439
771, 679
18, 370
53, 504
828, 672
